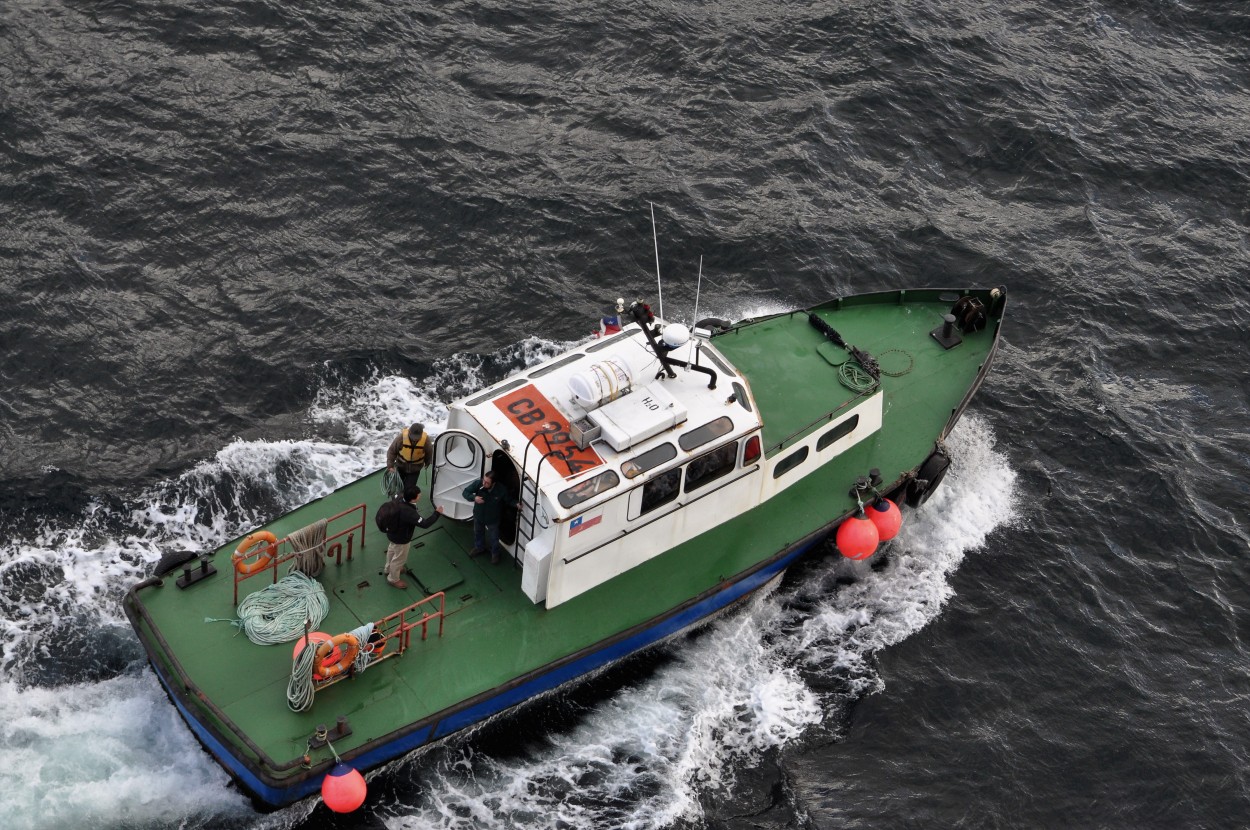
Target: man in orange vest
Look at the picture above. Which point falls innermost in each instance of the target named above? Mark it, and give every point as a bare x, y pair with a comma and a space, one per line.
407, 454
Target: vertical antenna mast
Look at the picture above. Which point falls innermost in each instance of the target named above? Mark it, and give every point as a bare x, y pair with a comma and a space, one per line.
697, 286
658, 287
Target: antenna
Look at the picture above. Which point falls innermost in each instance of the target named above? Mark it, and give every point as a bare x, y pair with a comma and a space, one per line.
697, 286
658, 287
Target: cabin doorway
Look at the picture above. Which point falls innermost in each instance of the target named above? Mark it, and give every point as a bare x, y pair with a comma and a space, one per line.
506, 474
459, 460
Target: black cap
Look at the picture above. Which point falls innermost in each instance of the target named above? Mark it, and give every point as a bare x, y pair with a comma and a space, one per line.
415, 430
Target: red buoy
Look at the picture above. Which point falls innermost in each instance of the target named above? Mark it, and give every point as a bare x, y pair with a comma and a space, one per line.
857, 537
343, 789
886, 516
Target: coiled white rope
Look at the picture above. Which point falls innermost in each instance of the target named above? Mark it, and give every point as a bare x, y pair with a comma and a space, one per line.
299, 689
278, 613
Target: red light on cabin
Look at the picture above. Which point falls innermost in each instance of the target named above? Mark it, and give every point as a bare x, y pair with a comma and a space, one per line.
752, 452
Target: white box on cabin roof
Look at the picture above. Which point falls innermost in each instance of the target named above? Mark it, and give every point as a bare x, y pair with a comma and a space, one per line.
634, 418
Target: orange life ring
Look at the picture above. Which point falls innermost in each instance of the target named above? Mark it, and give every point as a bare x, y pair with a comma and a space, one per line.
350, 647
244, 550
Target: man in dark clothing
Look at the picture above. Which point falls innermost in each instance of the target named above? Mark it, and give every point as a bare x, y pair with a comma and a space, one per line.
488, 497
407, 454
407, 520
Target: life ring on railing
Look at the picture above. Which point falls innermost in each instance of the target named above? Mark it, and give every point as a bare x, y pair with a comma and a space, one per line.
348, 647
244, 550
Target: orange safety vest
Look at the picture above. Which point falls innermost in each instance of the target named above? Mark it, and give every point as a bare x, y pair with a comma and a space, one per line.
413, 453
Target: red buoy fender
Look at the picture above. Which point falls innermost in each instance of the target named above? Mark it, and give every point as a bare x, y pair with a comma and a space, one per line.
857, 537
343, 789
886, 516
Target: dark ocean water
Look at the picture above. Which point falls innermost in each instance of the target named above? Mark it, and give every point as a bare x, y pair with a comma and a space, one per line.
242, 242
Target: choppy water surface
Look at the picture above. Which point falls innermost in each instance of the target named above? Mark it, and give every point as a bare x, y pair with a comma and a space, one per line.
241, 242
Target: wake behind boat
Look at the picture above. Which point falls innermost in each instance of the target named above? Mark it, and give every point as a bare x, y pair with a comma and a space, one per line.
661, 475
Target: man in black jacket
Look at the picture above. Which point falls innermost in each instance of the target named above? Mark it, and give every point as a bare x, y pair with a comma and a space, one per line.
407, 520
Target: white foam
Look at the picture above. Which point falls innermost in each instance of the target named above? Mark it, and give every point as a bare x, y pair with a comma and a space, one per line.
110, 754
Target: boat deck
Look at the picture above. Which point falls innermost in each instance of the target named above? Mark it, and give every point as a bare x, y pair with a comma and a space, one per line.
894, 328
479, 599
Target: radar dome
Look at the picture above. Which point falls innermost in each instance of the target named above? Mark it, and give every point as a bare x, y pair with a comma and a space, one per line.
675, 334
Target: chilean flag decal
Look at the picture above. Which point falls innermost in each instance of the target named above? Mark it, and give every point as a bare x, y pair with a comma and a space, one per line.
583, 523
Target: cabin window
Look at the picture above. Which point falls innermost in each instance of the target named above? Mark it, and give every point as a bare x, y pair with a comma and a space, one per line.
740, 395
660, 490
648, 460
551, 367
498, 390
608, 341
840, 431
720, 364
791, 461
711, 466
699, 436
589, 488
460, 452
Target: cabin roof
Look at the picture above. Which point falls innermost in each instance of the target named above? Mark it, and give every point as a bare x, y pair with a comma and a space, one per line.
541, 411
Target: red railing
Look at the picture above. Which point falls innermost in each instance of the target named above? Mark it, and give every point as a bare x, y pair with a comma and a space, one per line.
398, 626
333, 542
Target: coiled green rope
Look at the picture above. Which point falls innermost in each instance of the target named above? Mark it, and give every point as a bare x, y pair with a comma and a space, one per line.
278, 613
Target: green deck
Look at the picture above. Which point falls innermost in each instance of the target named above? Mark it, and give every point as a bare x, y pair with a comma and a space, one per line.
776, 351
493, 633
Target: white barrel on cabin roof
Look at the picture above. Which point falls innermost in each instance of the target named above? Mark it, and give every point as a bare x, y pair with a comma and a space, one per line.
609, 378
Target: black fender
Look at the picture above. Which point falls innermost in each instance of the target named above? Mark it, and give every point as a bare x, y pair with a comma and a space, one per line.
713, 324
928, 476
173, 561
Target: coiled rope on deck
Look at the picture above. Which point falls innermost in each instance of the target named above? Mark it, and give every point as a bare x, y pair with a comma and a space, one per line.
308, 546
278, 613
299, 689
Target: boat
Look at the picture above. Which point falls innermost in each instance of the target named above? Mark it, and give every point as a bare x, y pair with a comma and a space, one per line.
661, 474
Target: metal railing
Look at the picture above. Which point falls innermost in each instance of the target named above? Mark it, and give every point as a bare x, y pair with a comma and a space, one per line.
283, 552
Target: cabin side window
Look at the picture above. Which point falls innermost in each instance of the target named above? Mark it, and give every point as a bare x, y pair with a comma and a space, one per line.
791, 461
710, 431
648, 460
589, 488
740, 395
840, 431
711, 466
660, 490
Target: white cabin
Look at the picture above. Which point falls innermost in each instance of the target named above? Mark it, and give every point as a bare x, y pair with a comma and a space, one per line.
615, 462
